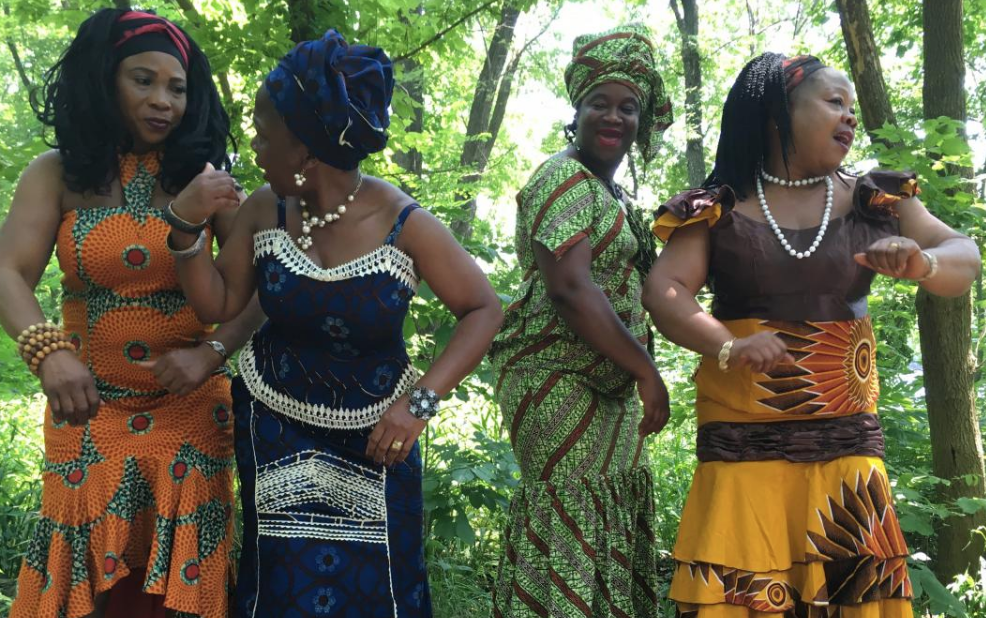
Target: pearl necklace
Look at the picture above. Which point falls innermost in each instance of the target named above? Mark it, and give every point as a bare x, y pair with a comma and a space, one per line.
777, 230
792, 183
308, 222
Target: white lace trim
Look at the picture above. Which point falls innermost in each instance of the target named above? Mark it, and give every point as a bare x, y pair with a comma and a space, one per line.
383, 259
315, 478
317, 414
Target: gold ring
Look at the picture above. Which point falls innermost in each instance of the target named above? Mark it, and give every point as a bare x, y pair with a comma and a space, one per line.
396, 445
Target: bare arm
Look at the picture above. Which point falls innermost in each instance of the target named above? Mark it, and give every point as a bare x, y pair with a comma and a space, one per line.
26, 242
462, 287
183, 370
669, 295
234, 333
587, 311
958, 256
219, 290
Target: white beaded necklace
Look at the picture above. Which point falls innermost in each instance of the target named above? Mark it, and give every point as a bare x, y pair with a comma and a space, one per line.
804, 182
777, 229
308, 222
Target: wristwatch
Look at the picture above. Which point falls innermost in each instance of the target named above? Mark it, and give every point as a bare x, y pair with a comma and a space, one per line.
218, 347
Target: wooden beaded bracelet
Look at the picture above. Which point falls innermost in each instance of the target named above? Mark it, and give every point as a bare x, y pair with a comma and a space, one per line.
39, 340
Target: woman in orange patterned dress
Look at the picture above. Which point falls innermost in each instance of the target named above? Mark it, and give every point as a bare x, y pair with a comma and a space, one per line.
136, 515
790, 511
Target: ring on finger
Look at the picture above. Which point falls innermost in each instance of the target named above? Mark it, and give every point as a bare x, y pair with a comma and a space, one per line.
895, 245
396, 445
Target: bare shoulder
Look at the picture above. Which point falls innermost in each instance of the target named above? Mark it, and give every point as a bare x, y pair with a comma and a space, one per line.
46, 168
423, 236
260, 209
41, 187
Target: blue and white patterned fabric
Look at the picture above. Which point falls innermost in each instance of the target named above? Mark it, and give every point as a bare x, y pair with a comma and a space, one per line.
327, 532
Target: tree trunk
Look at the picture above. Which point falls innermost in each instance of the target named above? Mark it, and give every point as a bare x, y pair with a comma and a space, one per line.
864, 60
692, 61
489, 88
945, 323
411, 160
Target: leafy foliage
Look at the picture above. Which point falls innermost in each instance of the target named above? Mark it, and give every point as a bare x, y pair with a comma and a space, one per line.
470, 471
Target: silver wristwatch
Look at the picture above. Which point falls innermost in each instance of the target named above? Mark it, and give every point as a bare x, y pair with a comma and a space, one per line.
218, 347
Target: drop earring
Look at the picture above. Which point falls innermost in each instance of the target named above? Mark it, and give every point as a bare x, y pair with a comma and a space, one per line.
299, 179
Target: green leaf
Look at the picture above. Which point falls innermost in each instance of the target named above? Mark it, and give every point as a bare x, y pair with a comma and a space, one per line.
462, 475
445, 526
971, 506
463, 529
913, 522
942, 601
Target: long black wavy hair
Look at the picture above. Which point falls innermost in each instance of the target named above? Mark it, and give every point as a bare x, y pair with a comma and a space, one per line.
77, 101
757, 97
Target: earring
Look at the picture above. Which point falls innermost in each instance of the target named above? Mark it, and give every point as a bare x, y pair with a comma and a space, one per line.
299, 179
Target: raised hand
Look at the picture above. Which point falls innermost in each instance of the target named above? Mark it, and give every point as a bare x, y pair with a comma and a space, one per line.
210, 191
895, 256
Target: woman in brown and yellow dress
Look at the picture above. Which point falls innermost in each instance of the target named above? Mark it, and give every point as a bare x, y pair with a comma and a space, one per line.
790, 510
137, 480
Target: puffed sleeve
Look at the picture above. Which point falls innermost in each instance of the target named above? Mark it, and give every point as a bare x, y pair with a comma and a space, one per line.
561, 205
878, 193
692, 206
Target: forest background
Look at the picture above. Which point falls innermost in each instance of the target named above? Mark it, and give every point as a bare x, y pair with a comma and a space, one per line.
479, 103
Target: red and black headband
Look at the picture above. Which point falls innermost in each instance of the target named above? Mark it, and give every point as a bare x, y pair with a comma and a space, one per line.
136, 32
798, 69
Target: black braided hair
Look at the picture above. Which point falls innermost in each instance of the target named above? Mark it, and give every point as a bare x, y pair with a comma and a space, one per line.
757, 97
77, 102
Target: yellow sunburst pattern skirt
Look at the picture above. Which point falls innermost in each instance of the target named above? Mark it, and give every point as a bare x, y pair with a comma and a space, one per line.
791, 512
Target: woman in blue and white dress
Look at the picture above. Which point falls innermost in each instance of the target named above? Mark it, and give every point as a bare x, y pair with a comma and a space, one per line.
328, 406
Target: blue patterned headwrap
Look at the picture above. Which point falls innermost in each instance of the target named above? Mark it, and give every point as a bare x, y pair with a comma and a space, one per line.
335, 98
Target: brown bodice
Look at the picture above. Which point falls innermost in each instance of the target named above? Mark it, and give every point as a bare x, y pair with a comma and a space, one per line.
752, 276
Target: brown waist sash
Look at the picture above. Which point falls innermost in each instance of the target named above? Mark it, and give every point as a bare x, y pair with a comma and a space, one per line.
796, 441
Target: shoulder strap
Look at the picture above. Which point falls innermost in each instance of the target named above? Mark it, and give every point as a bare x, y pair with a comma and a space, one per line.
399, 224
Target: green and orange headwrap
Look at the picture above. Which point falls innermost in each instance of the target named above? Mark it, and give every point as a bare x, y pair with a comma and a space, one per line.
624, 55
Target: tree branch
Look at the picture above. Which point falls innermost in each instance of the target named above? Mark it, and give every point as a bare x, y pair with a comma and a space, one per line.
537, 36
677, 15
192, 14
17, 57
20, 65
450, 28
752, 33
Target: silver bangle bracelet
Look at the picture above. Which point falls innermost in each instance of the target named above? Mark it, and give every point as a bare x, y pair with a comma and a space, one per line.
932, 266
184, 254
172, 219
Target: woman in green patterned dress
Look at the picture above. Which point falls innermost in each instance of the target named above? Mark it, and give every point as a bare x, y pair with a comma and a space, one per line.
579, 540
